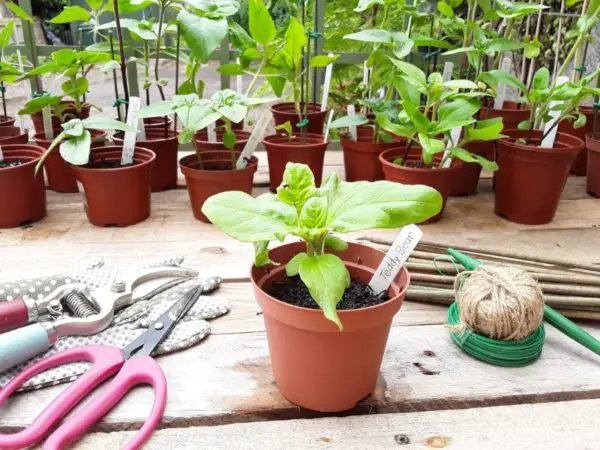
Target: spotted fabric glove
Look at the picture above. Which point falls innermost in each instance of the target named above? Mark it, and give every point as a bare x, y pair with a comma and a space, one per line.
127, 324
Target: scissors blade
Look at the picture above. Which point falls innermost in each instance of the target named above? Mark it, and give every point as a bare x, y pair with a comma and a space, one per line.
162, 327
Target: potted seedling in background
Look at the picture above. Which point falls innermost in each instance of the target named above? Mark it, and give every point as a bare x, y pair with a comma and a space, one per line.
114, 179
8, 72
314, 294
9, 134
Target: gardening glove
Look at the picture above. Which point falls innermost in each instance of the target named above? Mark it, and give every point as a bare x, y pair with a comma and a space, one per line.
127, 324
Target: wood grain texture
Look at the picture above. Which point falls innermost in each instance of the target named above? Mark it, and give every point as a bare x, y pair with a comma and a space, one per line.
556, 426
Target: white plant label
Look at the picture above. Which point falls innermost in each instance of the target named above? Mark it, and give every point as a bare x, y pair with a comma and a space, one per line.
253, 140
367, 77
381, 93
326, 84
455, 133
353, 131
403, 246
238, 81
212, 132
329, 120
447, 73
47, 118
548, 141
131, 136
22, 69
1, 154
501, 91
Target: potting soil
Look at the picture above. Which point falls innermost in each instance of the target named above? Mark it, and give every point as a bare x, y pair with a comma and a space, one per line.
13, 163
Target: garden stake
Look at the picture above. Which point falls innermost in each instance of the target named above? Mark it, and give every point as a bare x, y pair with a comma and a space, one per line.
177, 48
536, 37
80, 49
553, 317
114, 73
3, 91
121, 53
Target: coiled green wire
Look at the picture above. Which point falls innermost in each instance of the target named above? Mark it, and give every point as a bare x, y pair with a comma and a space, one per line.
500, 353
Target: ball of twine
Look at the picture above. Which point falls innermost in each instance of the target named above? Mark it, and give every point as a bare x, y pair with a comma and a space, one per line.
501, 302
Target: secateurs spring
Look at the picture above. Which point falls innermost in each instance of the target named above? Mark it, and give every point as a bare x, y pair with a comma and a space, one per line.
75, 310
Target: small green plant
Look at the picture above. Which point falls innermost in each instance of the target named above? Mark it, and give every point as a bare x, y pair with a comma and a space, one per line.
315, 214
287, 129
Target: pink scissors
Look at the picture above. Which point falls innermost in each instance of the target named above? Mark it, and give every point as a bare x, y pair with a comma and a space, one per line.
131, 366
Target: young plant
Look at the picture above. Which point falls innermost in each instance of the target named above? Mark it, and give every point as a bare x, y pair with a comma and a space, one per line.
75, 140
314, 214
287, 130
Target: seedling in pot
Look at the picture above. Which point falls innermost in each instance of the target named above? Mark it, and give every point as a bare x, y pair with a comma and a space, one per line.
314, 214
287, 130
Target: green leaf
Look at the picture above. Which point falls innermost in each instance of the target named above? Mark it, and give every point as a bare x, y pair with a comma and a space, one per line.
73, 128
430, 147
503, 45
75, 88
37, 104
381, 204
495, 77
157, 109
469, 157
459, 110
418, 119
110, 66
297, 186
261, 254
581, 121
402, 44
6, 33
349, 121
292, 268
261, 24
239, 37
525, 125
314, 213
216, 8
250, 219
412, 71
485, 130
295, 41
425, 41
287, 128
445, 9
72, 14
201, 34
76, 150
229, 139
460, 84
19, 12
326, 278
49, 67
104, 123
335, 243
321, 61
231, 69
541, 79
373, 35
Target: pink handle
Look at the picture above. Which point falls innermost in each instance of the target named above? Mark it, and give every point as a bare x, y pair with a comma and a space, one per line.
13, 314
106, 361
136, 371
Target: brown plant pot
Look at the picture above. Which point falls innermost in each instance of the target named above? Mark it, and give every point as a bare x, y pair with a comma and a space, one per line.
284, 112
68, 114
154, 123
593, 165
466, 183
7, 121
531, 179
164, 169
118, 196
60, 176
579, 167
22, 193
361, 157
308, 149
215, 176
203, 144
441, 179
314, 364
512, 114
13, 135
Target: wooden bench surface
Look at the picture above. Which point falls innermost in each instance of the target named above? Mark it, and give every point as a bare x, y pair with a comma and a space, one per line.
222, 394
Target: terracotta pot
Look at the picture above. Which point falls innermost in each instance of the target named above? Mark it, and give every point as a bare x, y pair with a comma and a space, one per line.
118, 196
361, 157
68, 114
466, 183
579, 167
214, 177
60, 176
531, 179
309, 149
203, 144
593, 164
443, 180
283, 112
153, 123
7, 121
512, 114
164, 169
22, 194
314, 364
13, 135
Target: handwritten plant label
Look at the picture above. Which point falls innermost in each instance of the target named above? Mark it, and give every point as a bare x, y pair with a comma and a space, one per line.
329, 119
47, 118
212, 132
253, 140
550, 129
131, 136
326, 84
501, 91
238, 81
402, 247
447, 73
22, 69
352, 128
1, 154
455, 132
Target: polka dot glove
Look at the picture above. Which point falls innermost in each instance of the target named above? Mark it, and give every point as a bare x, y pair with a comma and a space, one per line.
127, 325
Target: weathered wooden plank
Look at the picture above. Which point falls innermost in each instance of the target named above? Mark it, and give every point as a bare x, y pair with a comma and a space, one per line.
228, 379
555, 426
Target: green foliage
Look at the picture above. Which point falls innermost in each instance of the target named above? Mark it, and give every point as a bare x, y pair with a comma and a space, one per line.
314, 214
287, 129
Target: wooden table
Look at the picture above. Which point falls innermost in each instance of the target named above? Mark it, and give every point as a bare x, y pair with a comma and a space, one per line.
430, 394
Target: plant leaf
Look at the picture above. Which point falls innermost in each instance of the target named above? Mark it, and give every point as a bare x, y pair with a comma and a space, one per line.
19, 12
541, 79
76, 150
485, 130
261, 254
292, 268
105, 123
297, 186
335, 243
314, 213
261, 24
6, 33
321, 61
72, 14
348, 121
157, 109
373, 35
469, 157
201, 34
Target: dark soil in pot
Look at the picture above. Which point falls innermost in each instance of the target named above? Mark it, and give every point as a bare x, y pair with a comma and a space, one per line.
7, 121
164, 169
284, 112
60, 176
315, 365
13, 135
118, 196
579, 167
69, 113
22, 194
593, 164
204, 145
213, 176
444, 180
531, 179
306, 149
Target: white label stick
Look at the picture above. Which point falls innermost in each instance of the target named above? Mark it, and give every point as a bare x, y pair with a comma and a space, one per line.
403, 246
329, 119
548, 141
238, 81
253, 140
353, 131
47, 118
501, 91
326, 85
455, 133
447, 74
22, 69
212, 132
1, 154
130, 136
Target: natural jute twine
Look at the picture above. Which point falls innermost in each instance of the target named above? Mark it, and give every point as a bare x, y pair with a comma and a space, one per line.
501, 302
